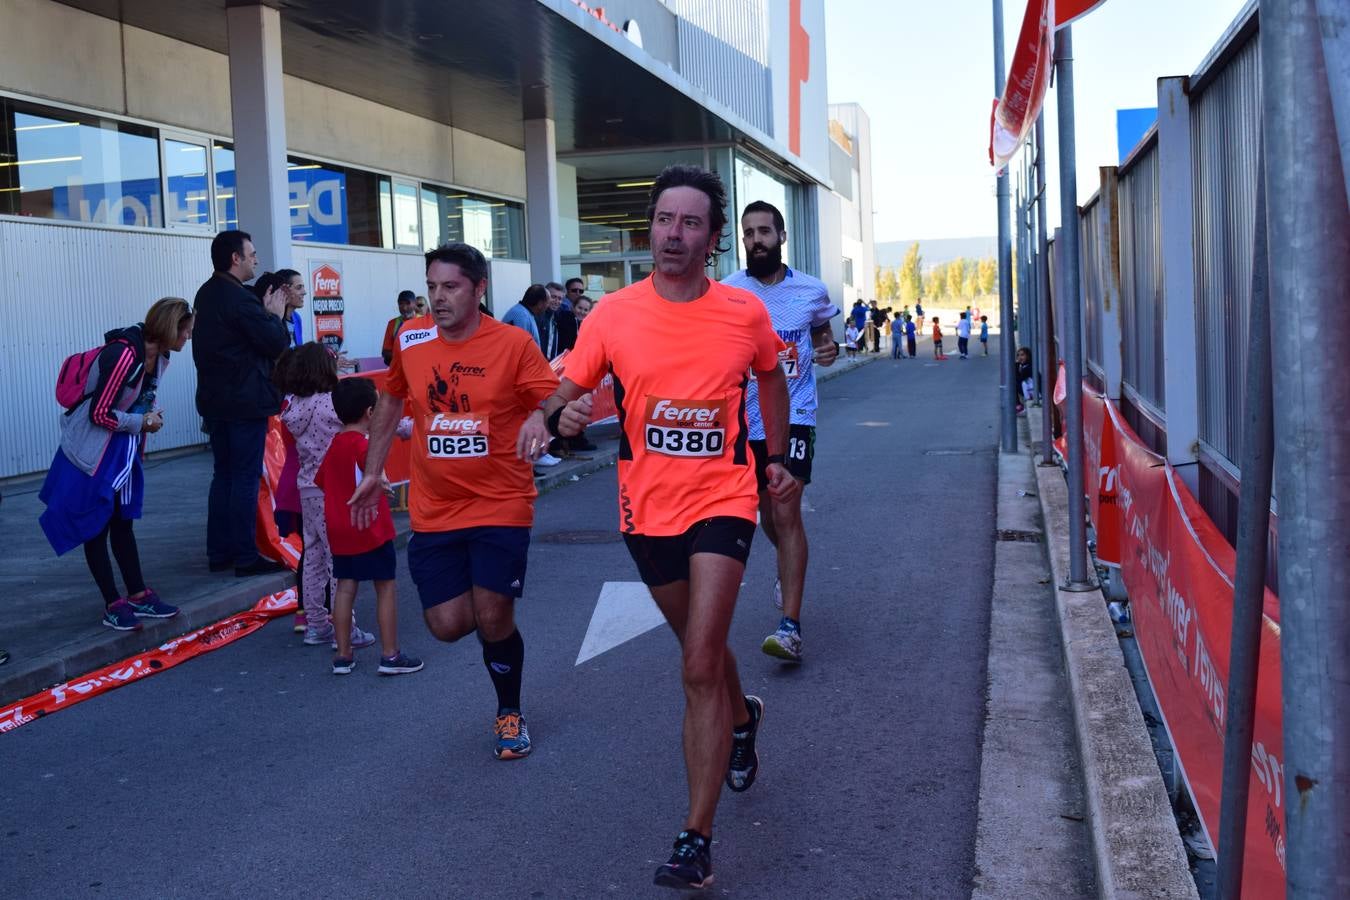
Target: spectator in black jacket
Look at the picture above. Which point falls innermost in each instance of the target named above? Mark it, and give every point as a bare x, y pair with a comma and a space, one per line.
238, 339
564, 321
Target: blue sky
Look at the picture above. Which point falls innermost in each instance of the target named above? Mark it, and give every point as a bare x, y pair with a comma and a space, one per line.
924, 72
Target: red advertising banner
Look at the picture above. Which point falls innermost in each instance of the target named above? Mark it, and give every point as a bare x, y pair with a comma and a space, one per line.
1178, 570
142, 665
1028, 80
604, 409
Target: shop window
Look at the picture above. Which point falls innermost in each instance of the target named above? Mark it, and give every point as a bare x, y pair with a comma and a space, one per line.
56, 164
495, 227
848, 271
187, 200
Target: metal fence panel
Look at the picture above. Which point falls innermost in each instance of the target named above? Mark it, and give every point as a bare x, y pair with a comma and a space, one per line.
1141, 278
1225, 131
1093, 256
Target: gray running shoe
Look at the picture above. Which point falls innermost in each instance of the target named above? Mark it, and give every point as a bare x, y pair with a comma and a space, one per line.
777, 594
744, 758
784, 644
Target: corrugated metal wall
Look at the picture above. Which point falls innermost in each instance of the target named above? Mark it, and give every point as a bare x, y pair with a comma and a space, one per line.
1225, 131
1093, 258
64, 286
1141, 278
727, 74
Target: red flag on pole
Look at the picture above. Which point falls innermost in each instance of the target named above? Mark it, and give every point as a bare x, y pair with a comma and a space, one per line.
1029, 76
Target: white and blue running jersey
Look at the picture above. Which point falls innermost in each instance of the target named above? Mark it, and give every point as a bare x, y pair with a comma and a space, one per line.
796, 304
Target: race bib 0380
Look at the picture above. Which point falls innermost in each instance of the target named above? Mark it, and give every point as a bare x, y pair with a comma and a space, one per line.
685, 428
456, 437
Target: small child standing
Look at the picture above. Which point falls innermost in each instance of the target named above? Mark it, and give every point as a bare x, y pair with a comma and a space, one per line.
850, 339
359, 554
963, 336
1026, 379
984, 334
937, 340
911, 340
310, 377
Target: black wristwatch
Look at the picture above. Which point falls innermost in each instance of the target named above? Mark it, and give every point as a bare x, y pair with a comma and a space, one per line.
779, 458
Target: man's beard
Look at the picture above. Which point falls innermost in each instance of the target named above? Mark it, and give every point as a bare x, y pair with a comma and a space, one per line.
767, 264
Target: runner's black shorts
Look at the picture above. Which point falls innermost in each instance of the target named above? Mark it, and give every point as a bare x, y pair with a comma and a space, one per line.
379, 564
664, 560
801, 453
445, 564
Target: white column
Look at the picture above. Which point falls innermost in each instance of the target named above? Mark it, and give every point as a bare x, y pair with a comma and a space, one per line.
1181, 388
541, 198
258, 115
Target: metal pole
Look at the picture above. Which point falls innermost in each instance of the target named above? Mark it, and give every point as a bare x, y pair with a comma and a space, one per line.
1335, 24
1072, 308
1249, 590
1030, 301
1005, 337
1309, 236
1047, 354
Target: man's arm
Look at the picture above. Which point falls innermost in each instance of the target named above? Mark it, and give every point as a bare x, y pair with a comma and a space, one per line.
262, 325
773, 411
365, 499
824, 351
575, 403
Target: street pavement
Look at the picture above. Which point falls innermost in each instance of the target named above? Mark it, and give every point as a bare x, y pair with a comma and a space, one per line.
253, 771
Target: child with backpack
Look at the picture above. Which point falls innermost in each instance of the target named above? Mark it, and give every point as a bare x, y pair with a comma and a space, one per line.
95, 486
310, 377
359, 554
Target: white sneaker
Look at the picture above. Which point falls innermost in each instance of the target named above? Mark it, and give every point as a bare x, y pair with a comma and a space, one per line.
777, 594
548, 459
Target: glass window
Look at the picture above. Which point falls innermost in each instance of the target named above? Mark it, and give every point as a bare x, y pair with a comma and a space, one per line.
227, 217
406, 233
62, 165
755, 182
848, 271
188, 199
495, 227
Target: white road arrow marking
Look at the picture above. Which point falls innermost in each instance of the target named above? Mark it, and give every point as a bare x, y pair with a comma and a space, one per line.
624, 610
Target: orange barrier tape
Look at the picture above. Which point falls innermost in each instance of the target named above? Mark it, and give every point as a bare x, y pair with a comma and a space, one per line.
143, 665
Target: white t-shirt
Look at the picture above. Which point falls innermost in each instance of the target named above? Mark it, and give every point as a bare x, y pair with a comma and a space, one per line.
963, 328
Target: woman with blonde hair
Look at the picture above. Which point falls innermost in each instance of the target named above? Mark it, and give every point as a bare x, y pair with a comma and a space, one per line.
95, 486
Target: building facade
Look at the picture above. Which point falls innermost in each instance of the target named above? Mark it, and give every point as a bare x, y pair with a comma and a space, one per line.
348, 137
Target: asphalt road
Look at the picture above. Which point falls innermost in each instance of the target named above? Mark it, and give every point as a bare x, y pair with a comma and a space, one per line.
253, 771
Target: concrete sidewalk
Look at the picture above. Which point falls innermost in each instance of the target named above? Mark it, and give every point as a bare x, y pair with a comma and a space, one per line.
52, 624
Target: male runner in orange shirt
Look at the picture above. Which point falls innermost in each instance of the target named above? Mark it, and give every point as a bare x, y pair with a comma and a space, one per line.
680, 348
475, 387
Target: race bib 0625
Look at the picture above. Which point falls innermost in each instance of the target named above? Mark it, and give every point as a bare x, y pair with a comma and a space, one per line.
685, 428
456, 436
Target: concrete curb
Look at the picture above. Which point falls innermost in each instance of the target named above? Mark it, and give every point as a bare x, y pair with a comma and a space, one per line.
1135, 841
81, 657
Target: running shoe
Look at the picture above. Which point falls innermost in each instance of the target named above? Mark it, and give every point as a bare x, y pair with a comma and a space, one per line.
316, 635
513, 738
301, 622
399, 664
548, 459
744, 758
149, 606
784, 644
121, 617
359, 639
344, 666
690, 866
777, 594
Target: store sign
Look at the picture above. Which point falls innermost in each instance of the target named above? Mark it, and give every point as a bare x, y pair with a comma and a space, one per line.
317, 201
325, 289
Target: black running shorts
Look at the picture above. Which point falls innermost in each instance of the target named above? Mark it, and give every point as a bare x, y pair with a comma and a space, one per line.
664, 560
801, 453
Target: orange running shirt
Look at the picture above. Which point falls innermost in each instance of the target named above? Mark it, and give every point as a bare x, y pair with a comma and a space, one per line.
937, 332
468, 402
680, 371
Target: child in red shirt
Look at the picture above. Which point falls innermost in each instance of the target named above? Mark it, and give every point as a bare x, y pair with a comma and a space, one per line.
359, 555
937, 340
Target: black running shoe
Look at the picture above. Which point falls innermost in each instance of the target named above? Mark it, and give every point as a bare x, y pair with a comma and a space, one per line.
690, 866
744, 757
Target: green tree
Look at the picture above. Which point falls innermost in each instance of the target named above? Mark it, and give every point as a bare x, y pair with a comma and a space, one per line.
956, 274
911, 277
887, 289
970, 285
988, 275
937, 282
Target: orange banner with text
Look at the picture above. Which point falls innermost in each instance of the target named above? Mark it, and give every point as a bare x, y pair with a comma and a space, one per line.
142, 665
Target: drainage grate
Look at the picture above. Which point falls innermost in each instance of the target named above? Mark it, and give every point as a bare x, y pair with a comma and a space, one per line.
1021, 537
949, 453
580, 537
